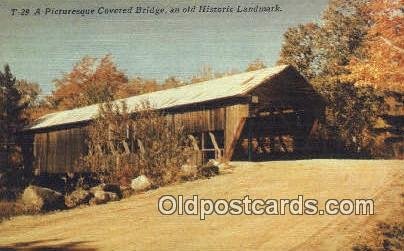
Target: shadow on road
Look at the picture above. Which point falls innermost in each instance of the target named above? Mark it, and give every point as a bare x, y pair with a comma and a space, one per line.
44, 245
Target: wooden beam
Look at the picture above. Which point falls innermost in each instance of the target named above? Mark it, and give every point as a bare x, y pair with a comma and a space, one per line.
126, 147
235, 117
193, 142
112, 148
218, 154
283, 144
196, 158
141, 147
203, 146
249, 140
235, 137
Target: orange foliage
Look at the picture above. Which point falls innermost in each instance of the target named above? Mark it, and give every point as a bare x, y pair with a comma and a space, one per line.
93, 81
34, 113
383, 48
88, 83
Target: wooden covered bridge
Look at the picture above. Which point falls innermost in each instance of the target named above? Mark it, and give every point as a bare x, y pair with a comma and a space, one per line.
254, 115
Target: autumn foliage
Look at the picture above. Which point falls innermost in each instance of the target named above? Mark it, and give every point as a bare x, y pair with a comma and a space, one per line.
89, 82
124, 145
354, 58
381, 62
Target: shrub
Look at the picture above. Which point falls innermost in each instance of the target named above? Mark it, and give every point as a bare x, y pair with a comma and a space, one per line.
350, 117
123, 144
386, 237
10, 209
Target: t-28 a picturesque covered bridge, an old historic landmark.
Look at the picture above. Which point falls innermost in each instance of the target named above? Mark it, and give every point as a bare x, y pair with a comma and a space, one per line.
249, 116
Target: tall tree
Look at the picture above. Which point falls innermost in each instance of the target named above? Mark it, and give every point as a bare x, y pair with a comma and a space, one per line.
381, 63
171, 82
91, 81
256, 65
345, 24
29, 92
11, 118
207, 73
298, 48
322, 52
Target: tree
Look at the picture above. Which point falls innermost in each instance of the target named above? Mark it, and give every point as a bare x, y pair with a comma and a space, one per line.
12, 119
207, 73
351, 113
322, 52
345, 25
256, 65
91, 81
381, 63
171, 82
298, 49
29, 96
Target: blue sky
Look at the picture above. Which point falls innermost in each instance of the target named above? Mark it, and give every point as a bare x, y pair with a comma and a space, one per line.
42, 48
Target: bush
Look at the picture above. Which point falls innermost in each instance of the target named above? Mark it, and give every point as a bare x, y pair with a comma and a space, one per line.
350, 117
10, 209
386, 237
123, 145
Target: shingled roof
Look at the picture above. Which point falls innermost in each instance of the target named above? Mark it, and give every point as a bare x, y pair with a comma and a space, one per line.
225, 87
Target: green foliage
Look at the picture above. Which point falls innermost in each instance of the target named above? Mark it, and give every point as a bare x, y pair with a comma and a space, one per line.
299, 49
11, 119
351, 113
322, 52
29, 97
344, 27
16, 98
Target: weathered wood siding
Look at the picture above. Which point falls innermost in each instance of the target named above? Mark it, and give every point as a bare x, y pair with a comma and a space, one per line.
235, 119
284, 105
59, 151
3, 158
289, 90
210, 119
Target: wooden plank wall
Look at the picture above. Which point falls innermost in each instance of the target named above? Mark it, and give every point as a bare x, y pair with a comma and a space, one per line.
288, 91
202, 120
3, 158
235, 118
40, 151
59, 151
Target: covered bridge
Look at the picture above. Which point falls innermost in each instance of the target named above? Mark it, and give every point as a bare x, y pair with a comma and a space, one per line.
254, 115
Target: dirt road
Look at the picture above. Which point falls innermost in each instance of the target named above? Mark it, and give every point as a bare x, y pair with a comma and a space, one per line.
136, 224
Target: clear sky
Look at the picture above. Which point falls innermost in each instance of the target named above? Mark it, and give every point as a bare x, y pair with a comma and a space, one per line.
41, 48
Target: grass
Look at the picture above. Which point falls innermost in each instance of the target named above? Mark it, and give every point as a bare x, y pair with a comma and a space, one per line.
9, 209
386, 237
